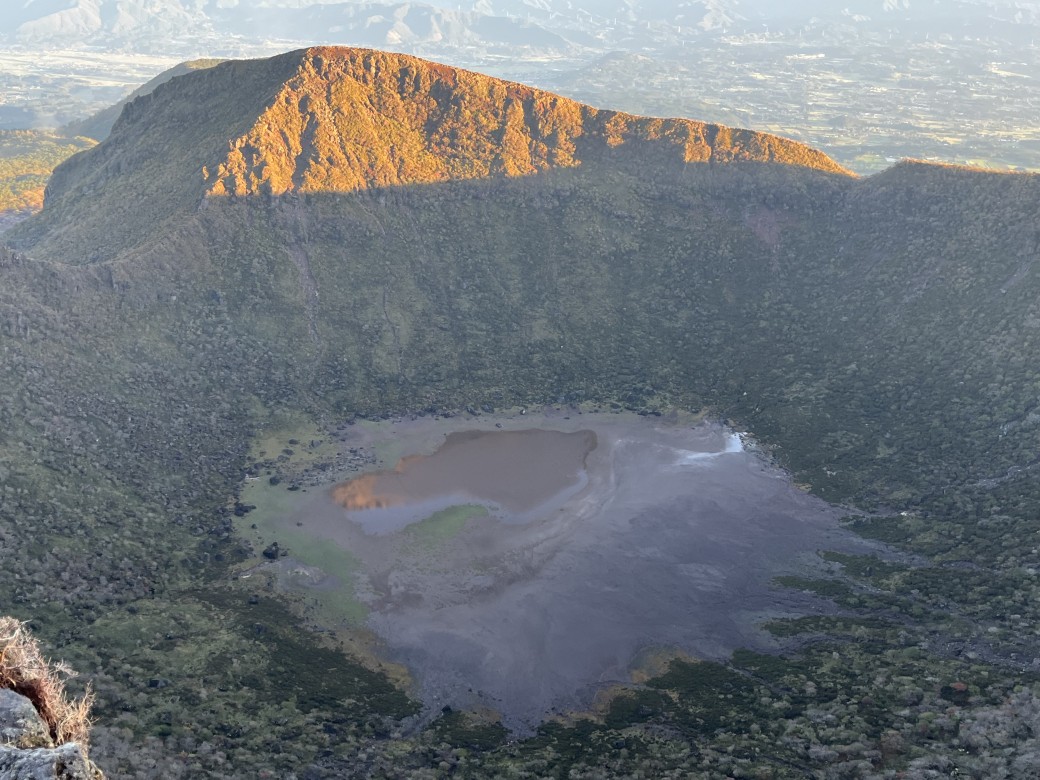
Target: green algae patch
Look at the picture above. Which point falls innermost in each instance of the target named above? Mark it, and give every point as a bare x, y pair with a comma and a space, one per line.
291, 560
284, 557
445, 525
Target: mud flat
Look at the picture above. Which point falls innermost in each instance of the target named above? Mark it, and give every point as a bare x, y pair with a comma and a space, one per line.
523, 563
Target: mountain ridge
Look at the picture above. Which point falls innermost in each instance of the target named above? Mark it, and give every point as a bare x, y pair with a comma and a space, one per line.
99, 125
454, 122
344, 119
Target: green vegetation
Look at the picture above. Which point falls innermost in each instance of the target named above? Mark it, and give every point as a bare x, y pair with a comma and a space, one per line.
343, 120
99, 126
466, 731
269, 497
444, 525
874, 335
27, 158
827, 588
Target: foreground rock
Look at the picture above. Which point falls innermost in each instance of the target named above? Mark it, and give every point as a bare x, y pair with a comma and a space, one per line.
27, 751
35, 728
65, 762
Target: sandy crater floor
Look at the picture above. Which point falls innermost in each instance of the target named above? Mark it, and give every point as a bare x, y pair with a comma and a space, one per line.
642, 534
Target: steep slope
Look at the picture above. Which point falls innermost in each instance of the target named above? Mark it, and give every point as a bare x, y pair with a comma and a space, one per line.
391, 250
100, 124
353, 119
342, 120
27, 158
129, 188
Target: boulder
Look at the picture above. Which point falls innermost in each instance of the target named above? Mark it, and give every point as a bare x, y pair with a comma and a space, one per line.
20, 724
27, 751
65, 762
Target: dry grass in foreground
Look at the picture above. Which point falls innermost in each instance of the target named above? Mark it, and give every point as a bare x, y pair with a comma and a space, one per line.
25, 671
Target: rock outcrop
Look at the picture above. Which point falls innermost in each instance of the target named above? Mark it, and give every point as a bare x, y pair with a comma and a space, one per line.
36, 722
27, 751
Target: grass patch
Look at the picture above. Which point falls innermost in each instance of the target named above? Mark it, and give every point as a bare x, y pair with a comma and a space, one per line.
445, 525
465, 730
338, 604
294, 438
274, 504
271, 502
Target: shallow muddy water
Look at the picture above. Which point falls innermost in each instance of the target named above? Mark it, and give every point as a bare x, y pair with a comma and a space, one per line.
517, 475
560, 548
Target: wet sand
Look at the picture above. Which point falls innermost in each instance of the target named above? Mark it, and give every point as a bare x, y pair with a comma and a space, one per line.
661, 536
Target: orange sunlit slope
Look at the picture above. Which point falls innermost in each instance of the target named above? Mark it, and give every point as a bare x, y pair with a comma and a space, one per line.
351, 119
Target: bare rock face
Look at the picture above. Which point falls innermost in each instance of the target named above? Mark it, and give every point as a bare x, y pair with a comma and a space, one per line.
65, 762
27, 751
20, 724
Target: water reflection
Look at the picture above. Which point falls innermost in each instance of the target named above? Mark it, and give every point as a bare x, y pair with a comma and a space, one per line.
364, 492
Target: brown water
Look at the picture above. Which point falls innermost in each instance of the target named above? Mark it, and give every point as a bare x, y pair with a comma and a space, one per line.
515, 474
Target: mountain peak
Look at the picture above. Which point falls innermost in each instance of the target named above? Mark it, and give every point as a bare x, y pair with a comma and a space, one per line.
352, 119
342, 120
